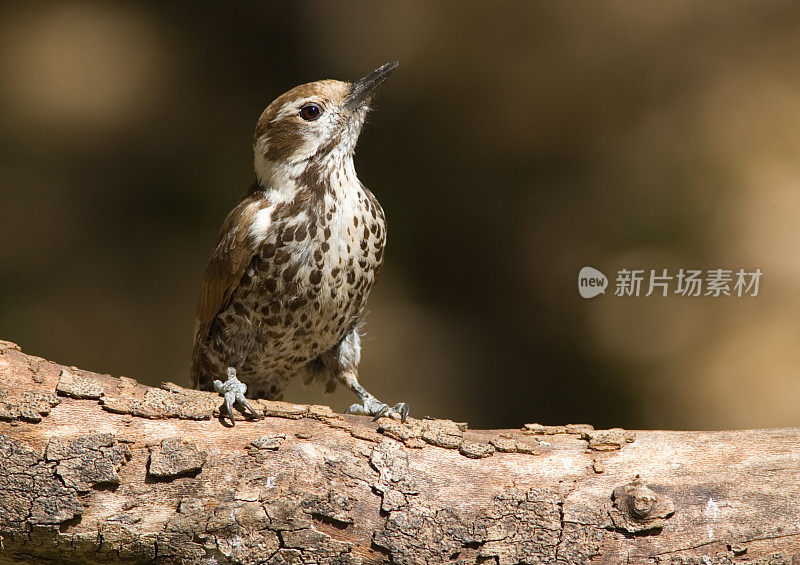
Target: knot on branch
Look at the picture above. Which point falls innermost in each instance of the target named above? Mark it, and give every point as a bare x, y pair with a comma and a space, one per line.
637, 508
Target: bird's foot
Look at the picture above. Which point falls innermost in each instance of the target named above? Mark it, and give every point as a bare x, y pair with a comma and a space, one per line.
233, 391
371, 406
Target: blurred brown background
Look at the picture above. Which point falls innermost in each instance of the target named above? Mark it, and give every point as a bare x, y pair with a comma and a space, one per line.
516, 143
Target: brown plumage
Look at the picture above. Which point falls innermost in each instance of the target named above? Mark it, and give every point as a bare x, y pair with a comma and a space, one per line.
286, 286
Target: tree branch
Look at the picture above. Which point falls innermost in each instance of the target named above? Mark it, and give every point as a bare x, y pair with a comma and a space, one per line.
96, 469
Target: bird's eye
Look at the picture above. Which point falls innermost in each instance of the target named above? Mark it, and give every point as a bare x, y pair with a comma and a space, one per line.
310, 112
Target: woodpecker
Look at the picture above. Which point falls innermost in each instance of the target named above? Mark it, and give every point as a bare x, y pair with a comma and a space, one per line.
286, 285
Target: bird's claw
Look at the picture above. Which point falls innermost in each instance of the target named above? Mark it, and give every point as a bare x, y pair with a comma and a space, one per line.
402, 409
377, 409
233, 390
382, 412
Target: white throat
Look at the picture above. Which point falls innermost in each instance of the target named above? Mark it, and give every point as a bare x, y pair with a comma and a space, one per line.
282, 177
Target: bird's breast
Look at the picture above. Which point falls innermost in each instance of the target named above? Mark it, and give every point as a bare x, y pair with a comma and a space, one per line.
315, 267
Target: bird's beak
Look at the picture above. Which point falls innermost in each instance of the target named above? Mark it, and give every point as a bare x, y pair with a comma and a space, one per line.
363, 90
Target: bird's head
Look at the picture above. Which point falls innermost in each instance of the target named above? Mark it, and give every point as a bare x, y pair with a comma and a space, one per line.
314, 125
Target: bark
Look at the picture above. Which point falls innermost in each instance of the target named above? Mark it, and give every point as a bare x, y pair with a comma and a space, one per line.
100, 469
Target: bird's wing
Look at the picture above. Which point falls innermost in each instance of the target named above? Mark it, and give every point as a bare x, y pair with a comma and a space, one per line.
235, 247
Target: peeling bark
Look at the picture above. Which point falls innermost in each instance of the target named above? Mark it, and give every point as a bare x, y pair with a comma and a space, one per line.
100, 469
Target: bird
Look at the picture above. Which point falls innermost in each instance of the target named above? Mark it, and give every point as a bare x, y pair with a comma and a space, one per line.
286, 285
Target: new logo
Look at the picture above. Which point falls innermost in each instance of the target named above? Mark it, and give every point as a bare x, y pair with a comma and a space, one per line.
591, 282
